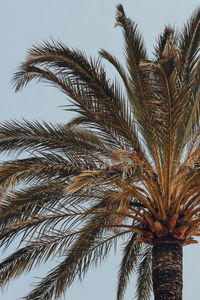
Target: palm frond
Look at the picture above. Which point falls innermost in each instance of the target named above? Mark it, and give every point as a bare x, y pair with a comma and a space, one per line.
189, 42
89, 248
84, 78
129, 260
17, 205
25, 136
134, 45
118, 66
24, 260
144, 276
188, 130
36, 169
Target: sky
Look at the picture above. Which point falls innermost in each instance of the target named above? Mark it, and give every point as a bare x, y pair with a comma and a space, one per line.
89, 26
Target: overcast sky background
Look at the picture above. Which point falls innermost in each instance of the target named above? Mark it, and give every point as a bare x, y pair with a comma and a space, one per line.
87, 25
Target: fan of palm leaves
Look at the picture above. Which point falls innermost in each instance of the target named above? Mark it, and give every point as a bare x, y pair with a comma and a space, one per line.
128, 166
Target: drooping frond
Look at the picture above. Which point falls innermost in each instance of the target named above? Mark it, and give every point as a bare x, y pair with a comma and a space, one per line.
84, 82
89, 248
144, 276
36, 169
26, 136
119, 67
129, 261
17, 205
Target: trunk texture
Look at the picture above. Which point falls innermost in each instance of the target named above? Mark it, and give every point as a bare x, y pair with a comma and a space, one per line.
167, 271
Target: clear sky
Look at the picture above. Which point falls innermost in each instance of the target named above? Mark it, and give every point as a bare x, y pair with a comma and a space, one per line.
86, 25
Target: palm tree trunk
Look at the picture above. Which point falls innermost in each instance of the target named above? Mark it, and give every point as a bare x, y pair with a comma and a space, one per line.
167, 270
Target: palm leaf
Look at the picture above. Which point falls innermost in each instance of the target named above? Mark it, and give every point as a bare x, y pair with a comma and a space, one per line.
87, 249
144, 276
130, 256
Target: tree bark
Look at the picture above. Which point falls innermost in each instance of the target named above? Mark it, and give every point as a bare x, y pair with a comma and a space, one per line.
167, 261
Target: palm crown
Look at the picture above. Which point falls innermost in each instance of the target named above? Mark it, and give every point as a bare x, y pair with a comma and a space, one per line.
126, 166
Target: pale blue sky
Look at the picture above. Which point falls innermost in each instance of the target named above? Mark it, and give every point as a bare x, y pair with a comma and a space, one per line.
86, 25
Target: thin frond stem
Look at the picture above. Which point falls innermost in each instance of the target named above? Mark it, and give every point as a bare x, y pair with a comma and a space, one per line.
192, 213
109, 239
134, 190
192, 206
194, 199
113, 212
196, 221
159, 169
157, 199
137, 212
184, 195
170, 142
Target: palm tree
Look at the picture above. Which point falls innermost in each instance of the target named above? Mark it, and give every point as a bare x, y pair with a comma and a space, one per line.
127, 166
